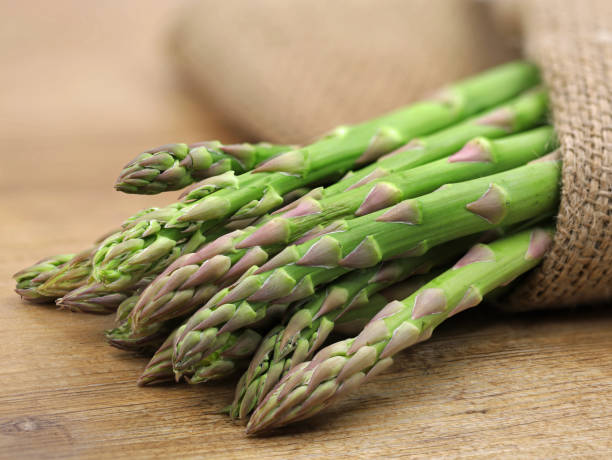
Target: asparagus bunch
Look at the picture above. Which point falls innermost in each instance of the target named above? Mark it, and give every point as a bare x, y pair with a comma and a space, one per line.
340, 368
408, 229
202, 280
339, 307
251, 195
237, 348
188, 281
175, 166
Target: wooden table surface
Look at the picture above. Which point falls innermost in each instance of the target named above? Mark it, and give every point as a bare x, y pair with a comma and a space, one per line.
86, 85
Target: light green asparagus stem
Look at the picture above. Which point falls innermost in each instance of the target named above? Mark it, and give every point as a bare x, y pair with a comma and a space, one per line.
31, 278
179, 288
255, 193
174, 166
340, 368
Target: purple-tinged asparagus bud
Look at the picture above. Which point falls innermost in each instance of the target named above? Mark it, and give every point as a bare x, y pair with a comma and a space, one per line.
254, 256
209, 185
364, 358
305, 288
471, 298
270, 200
491, 206
306, 207
274, 231
376, 174
212, 207
293, 162
428, 302
279, 284
374, 332
92, 298
384, 141
297, 322
287, 256
335, 298
242, 290
381, 196
159, 368
315, 193
406, 212
366, 254
242, 152
475, 151
325, 252
244, 316
337, 226
539, 243
477, 253
502, 118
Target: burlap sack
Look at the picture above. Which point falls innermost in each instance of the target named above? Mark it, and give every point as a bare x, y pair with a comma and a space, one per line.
289, 70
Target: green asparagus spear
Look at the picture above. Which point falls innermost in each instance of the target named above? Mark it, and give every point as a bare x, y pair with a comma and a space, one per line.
174, 166
340, 368
30, 279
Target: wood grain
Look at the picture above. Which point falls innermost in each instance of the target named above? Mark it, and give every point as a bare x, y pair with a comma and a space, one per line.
85, 87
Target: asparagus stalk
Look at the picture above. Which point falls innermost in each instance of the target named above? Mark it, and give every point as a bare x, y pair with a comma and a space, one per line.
178, 288
254, 193
31, 278
174, 166
340, 368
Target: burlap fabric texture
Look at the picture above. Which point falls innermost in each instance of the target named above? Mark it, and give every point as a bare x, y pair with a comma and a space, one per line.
289, 70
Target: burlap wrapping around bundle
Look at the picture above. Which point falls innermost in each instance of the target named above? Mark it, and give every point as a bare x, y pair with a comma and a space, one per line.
289, 70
